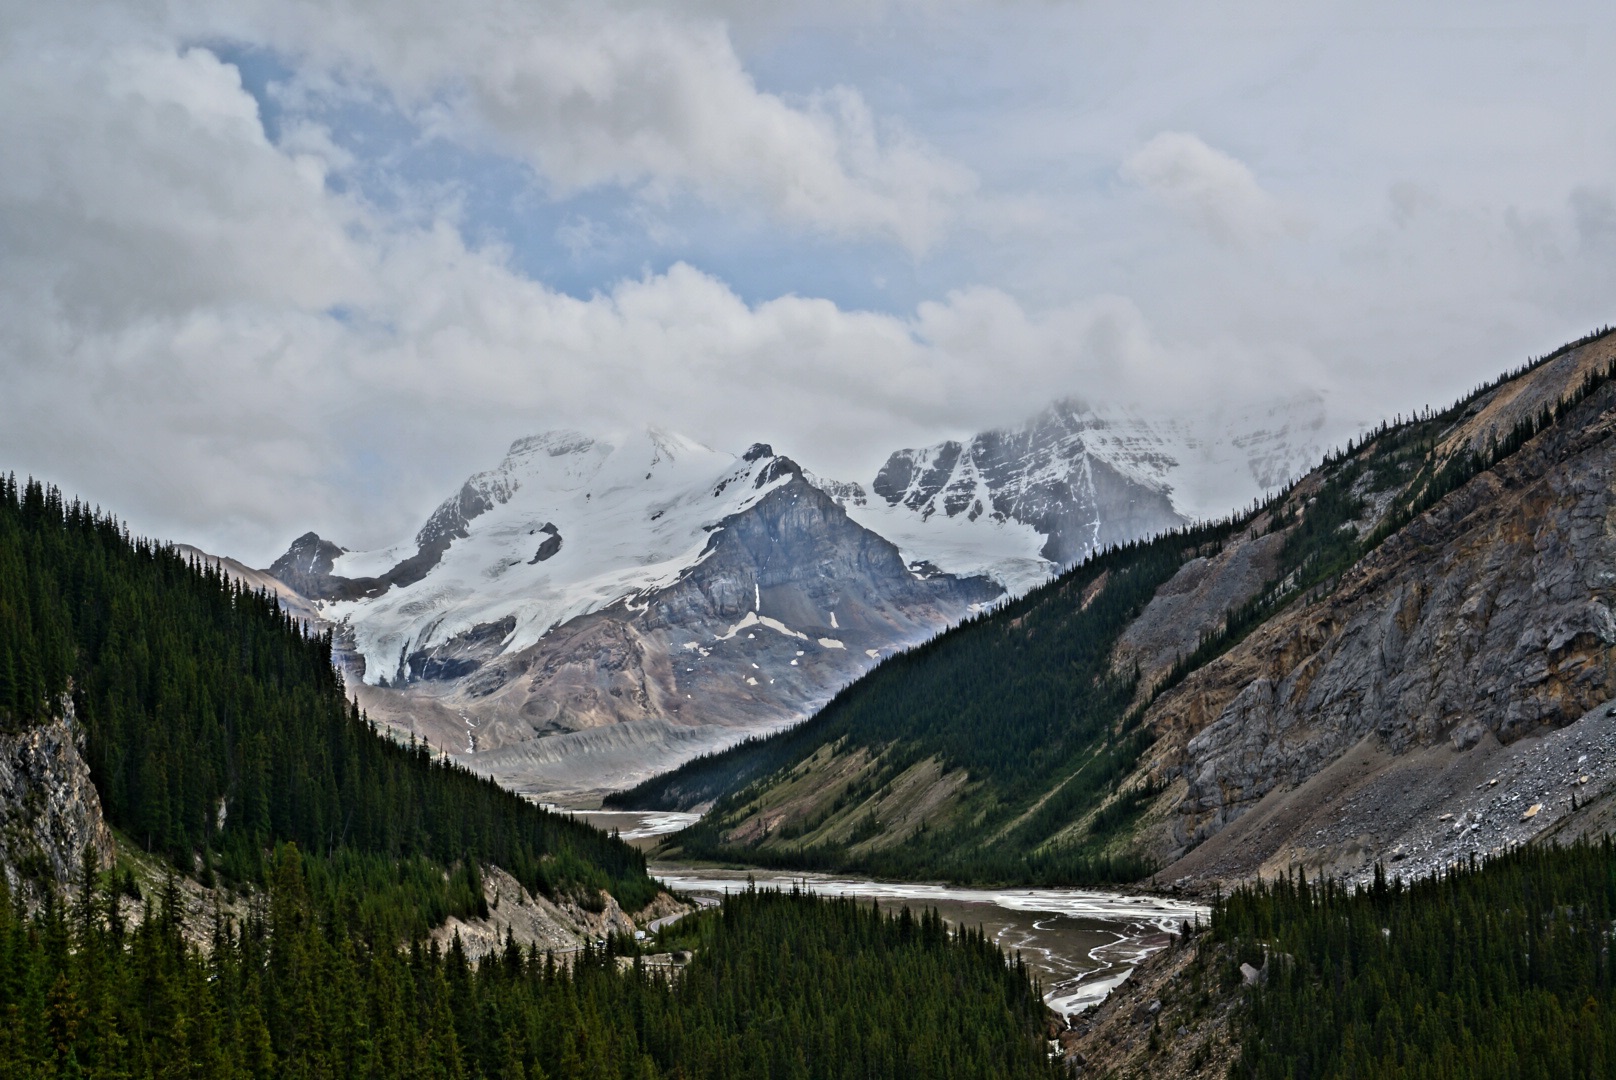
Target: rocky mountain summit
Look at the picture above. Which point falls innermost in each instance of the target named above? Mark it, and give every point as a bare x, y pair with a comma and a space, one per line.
1021, 504
680, 596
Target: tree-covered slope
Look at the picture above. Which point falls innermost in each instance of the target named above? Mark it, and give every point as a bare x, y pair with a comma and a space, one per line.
216, 726
1023, 745
1499, 971
779, 985
1018, 701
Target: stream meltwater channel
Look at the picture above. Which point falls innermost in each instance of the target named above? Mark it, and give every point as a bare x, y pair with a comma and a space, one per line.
1078, 942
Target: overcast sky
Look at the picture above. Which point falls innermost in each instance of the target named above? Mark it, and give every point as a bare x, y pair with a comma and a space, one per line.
271, 265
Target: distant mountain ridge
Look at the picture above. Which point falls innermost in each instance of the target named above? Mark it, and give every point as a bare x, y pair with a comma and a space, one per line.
1021, 504
650, 580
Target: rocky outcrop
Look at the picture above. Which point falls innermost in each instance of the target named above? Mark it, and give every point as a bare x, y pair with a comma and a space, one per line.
1065, 474
49, 810
1196, 603
1172, 1019
1484, 621
536, 921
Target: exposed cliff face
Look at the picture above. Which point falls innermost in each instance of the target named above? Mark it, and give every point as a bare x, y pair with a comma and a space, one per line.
535, 921
1483, 622
1195, 603
49, 809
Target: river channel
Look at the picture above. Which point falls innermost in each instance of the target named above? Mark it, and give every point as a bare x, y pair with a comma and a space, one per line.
1080, 943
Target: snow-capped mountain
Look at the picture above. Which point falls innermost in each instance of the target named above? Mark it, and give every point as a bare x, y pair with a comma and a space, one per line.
594, 609
566, 525
1019, 504
645, 580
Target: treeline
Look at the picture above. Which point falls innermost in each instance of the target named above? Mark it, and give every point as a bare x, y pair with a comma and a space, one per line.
779, 986
1502, 971
217, 726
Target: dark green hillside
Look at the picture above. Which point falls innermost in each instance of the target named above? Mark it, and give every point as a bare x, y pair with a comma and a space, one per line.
216, 727
997, 751
1016, 699
780, 986
1503, 971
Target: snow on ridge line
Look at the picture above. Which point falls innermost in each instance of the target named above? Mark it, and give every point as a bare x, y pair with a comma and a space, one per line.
629, 532
752, 618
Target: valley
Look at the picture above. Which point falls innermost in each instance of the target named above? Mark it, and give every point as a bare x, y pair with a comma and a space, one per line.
1388, 688
989, 540
1399, 657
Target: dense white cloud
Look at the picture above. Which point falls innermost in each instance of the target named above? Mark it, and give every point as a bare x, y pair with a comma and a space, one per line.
1211, 188
591, 94
210, 329
209, 319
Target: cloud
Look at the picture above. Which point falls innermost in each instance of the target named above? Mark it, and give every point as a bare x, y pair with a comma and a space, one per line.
598, 94
140, 180
1209, 187
207, 323
196, 327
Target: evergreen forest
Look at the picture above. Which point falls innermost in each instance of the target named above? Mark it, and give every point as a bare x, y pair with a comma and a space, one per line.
216, 726
777, 985
1500, 970
221, 741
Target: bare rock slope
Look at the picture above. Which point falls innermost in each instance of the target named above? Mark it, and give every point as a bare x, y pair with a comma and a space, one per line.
50, 812
1357, 724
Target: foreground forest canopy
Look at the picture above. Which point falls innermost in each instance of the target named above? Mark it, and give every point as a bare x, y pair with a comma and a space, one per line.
1503, 971
779, 985
216, 726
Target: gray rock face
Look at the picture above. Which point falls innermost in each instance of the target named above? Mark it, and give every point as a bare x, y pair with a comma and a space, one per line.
49, 810
307, 564
798, 558
1194, 603
1489, 615
1045, 474
550, 545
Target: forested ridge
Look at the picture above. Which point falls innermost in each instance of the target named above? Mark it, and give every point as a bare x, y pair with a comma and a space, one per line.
779, 986
1034, 673
216, 726
1500, 970
1023, 700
